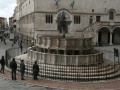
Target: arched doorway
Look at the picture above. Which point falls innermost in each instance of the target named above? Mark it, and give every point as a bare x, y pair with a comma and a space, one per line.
116, 35
104, 36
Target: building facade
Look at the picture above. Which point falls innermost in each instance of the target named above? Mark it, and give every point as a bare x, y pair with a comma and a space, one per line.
11, 23
3, 23
91, 18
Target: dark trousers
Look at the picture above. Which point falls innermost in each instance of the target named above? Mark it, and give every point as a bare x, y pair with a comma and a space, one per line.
21, 48
35, 77
2, 68
22, 75
13, 74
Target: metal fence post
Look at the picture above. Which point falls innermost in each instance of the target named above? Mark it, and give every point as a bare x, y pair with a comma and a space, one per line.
6, 58
118, 57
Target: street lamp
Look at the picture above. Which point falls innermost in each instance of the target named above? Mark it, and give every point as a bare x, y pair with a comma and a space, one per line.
63, 22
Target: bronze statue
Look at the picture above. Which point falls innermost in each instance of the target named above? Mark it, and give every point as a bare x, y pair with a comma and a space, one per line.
62, 16
72, 4
57, 3
63, 22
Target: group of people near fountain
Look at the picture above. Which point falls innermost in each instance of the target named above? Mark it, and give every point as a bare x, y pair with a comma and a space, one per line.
13, 66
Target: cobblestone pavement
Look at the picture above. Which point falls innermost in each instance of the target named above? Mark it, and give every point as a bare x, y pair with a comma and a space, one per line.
43, 84
6, 84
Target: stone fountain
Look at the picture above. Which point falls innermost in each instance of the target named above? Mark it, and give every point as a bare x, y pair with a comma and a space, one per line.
68, 57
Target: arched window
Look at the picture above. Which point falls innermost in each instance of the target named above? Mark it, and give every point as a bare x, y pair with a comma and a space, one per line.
111, 15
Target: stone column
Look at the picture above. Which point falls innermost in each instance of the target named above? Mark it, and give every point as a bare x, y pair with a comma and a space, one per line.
39, 41
65, 58
49, 42
110, 39
97, 37
77, 61
65, 43
37, 48
65, 52
57, 51
48, 50
44, 42
58, 43
36, 55
28, 52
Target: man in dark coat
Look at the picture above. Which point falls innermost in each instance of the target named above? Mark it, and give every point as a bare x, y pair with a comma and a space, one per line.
22, 69
35, 70
2, 64
13, 66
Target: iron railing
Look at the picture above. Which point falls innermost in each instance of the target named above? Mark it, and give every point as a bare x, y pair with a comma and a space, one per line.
102, 71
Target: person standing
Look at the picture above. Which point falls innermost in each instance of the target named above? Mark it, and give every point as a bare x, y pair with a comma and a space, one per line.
21, 47
2, 64
4, 41
22, 69
13, 66
35, 70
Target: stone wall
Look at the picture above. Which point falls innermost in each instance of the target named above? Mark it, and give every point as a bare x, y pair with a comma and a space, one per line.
83, 8
59, 59
56, 42
80, 6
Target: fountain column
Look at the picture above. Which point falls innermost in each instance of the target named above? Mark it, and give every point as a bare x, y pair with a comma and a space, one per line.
110, 39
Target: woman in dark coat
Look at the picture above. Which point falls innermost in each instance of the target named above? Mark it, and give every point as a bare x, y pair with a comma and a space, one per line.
2, 61
35, 70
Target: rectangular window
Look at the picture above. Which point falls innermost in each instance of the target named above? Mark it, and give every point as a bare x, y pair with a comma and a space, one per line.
76, 19
49, 18
97, 18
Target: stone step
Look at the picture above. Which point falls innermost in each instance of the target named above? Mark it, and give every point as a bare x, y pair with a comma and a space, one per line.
74, 73
83, 73
71, 68
74, 69
79, 73
79, 78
